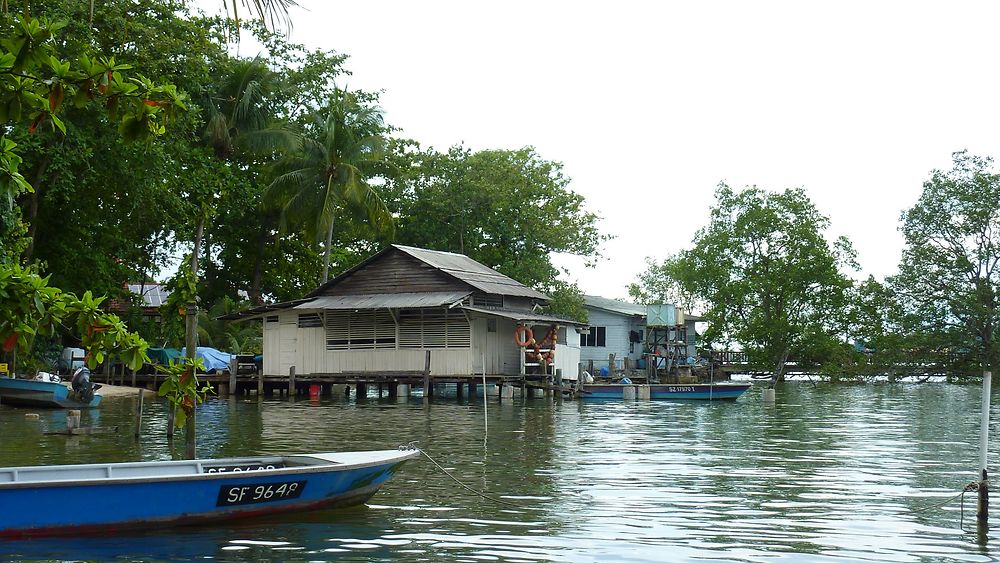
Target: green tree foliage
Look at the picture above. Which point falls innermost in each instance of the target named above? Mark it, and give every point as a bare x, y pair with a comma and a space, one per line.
82, 215
566, 300
948, 274
30, 307
770, 280
246, 251
659, 283
507, 209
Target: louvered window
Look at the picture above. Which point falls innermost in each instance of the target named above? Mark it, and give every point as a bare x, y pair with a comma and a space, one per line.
310, 320
271, 319
360, 330
385, 330
433, 328
487, 300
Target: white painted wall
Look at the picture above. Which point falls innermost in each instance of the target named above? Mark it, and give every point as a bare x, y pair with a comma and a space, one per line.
286, 345
616, 340
568, 353
272, 343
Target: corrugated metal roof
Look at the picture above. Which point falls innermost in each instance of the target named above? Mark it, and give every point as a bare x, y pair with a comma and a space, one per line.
471, 272
384, 300
262, 310
523, 316
153, 294
614, 305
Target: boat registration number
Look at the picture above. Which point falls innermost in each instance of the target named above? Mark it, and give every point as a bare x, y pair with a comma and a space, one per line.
231, 495
238, 468
680, 389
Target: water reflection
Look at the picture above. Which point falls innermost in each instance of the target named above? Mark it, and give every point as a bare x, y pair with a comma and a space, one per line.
828, 473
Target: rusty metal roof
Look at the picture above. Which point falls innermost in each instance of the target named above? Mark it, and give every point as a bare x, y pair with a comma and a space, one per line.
384, 300
471, 272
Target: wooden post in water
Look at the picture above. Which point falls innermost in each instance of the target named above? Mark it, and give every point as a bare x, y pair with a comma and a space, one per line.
232, 375
191, 348
427, 376
260, 384
983, 506
138, 413
291, 382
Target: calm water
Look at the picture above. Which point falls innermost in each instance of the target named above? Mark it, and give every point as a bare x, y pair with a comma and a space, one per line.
831, 473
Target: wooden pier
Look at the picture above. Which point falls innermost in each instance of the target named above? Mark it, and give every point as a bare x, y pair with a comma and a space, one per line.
245, 379
387, 384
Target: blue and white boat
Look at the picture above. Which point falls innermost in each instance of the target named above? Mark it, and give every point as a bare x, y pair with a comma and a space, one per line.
46, 394
107, 497
661, 391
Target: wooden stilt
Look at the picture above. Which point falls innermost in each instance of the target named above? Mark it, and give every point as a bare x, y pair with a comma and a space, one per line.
427, 376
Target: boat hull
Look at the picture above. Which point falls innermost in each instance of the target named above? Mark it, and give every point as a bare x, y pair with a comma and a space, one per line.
661, 391
43, 394
110, 504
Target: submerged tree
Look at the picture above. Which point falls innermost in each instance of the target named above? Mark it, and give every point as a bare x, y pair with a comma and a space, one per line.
949, 268
769, 278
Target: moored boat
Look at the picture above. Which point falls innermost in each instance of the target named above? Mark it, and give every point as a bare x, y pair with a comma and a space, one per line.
106, 497
46, 394
668, 391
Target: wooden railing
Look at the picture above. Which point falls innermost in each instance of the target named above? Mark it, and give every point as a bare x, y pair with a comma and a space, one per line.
729, 357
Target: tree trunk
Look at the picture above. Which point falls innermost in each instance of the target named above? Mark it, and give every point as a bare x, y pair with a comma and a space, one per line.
36, 183
326, 253
779, 369
255, 294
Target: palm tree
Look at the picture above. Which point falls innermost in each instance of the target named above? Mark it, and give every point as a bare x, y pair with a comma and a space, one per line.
272, 12
329, 173
241, 113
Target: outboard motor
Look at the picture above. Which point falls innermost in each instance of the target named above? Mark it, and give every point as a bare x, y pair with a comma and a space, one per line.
82, 385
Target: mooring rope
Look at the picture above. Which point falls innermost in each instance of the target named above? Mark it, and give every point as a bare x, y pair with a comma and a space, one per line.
412, 446
973, 486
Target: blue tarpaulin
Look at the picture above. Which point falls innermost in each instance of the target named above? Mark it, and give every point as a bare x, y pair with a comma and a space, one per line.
212, 358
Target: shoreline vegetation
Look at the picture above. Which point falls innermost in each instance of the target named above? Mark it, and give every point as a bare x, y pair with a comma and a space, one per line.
273, 178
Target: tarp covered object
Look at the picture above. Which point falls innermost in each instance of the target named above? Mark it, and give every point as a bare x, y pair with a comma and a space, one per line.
163, 356
212, 358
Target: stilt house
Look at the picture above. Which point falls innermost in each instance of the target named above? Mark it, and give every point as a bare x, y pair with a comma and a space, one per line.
616, 327
624, 329
381, 317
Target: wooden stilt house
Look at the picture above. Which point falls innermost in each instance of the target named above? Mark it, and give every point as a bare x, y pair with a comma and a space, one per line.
381, 317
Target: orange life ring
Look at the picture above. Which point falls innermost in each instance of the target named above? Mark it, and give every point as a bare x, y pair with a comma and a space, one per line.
528, 336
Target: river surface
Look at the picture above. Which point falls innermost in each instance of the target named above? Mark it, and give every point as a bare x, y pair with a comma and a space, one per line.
830, 473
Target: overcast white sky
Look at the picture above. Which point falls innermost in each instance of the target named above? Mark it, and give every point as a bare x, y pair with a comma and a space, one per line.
649, 105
